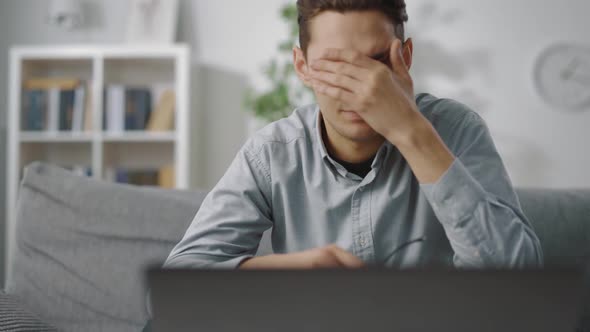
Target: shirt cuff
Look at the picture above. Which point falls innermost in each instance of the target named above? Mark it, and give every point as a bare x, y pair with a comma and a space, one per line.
455, 196
194, 261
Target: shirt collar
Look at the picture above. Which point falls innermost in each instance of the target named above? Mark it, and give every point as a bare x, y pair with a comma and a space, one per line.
377, 162
318, 132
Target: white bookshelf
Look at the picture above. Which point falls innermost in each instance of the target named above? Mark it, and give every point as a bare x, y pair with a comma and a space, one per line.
98, 149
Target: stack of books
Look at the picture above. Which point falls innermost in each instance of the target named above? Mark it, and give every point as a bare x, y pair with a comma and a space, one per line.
64, 104
128, 108
56, 104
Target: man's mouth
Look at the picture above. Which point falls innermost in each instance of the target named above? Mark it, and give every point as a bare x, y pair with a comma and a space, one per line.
351, 115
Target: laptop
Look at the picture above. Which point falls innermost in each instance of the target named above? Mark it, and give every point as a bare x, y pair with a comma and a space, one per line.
369, 300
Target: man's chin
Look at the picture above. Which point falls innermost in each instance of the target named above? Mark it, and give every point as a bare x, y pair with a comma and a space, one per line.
361, 132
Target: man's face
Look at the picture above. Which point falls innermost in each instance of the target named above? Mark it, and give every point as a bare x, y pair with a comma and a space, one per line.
369, 32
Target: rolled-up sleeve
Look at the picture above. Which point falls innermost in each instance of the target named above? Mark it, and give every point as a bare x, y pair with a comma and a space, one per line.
229, 224
478, 207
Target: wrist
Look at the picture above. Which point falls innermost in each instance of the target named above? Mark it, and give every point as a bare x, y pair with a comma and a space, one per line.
411, 133
262, 262
426, 152
276, 261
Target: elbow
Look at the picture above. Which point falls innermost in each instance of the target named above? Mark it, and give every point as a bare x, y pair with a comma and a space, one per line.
528, 255
523, 251
523, 254
518, 247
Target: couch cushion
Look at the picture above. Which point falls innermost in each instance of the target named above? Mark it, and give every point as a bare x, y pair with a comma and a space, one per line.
14, 317
82, 246
561, 219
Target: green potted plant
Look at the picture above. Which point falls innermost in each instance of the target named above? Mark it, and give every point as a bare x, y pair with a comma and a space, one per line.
286, 92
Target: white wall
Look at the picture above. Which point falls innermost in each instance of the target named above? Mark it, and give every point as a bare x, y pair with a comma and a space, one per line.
496, 43
493, 46
230, 42
479, 52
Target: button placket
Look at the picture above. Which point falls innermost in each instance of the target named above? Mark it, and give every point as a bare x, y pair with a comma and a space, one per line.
366, 239
362, 237
362, 241
356, 231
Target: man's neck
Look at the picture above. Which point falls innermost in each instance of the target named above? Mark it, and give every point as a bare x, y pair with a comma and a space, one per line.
347, 150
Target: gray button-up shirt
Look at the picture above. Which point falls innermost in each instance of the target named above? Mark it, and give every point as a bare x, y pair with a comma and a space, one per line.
284, 178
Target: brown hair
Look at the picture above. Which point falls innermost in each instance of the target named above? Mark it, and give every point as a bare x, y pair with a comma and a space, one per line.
395, 10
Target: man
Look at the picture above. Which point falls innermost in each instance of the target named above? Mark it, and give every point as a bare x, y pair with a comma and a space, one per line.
371, 175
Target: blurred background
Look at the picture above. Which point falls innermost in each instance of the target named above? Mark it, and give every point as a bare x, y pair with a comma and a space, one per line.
523, 65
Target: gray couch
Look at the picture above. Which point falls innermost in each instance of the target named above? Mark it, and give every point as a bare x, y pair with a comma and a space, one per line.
82, 245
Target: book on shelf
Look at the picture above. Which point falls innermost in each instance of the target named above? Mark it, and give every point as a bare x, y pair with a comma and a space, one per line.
167, 177
34, 115
138, 108
53, 110
132, 108
162, 118
88, 118
114, 100
56, 105
137, 177
66, 109
126, 108
163, 177
78, 109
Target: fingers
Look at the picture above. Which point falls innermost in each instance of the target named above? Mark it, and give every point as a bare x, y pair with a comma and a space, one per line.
337, 80
397, 60
339, 67
346, 259
334, 92
348, 55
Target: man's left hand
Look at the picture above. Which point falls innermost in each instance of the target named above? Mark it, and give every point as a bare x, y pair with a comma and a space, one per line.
382, 96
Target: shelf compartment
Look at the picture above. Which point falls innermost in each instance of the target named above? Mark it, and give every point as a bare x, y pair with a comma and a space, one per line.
138, 155
57, 68
65, 154
139, 72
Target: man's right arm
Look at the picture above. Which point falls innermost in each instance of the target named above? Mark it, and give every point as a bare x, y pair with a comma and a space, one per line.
229, 224
228, 227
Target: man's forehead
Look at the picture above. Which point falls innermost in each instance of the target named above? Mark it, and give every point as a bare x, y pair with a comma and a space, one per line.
342, 31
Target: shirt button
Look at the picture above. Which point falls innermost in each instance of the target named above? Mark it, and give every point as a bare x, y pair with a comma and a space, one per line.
362, 242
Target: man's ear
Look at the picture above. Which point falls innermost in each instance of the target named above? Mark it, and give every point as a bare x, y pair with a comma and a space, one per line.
408, 52
301, 67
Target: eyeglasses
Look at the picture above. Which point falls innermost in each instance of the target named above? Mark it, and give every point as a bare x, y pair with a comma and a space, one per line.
404, 246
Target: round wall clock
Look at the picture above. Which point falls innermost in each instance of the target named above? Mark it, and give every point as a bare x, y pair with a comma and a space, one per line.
562, 76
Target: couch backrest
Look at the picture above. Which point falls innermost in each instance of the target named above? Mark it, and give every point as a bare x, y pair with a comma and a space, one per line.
82, 247
561, 219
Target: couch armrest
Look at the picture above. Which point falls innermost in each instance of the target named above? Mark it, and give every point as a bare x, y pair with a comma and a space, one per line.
14, 317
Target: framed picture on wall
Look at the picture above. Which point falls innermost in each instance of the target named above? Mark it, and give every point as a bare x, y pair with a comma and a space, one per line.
152, 21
